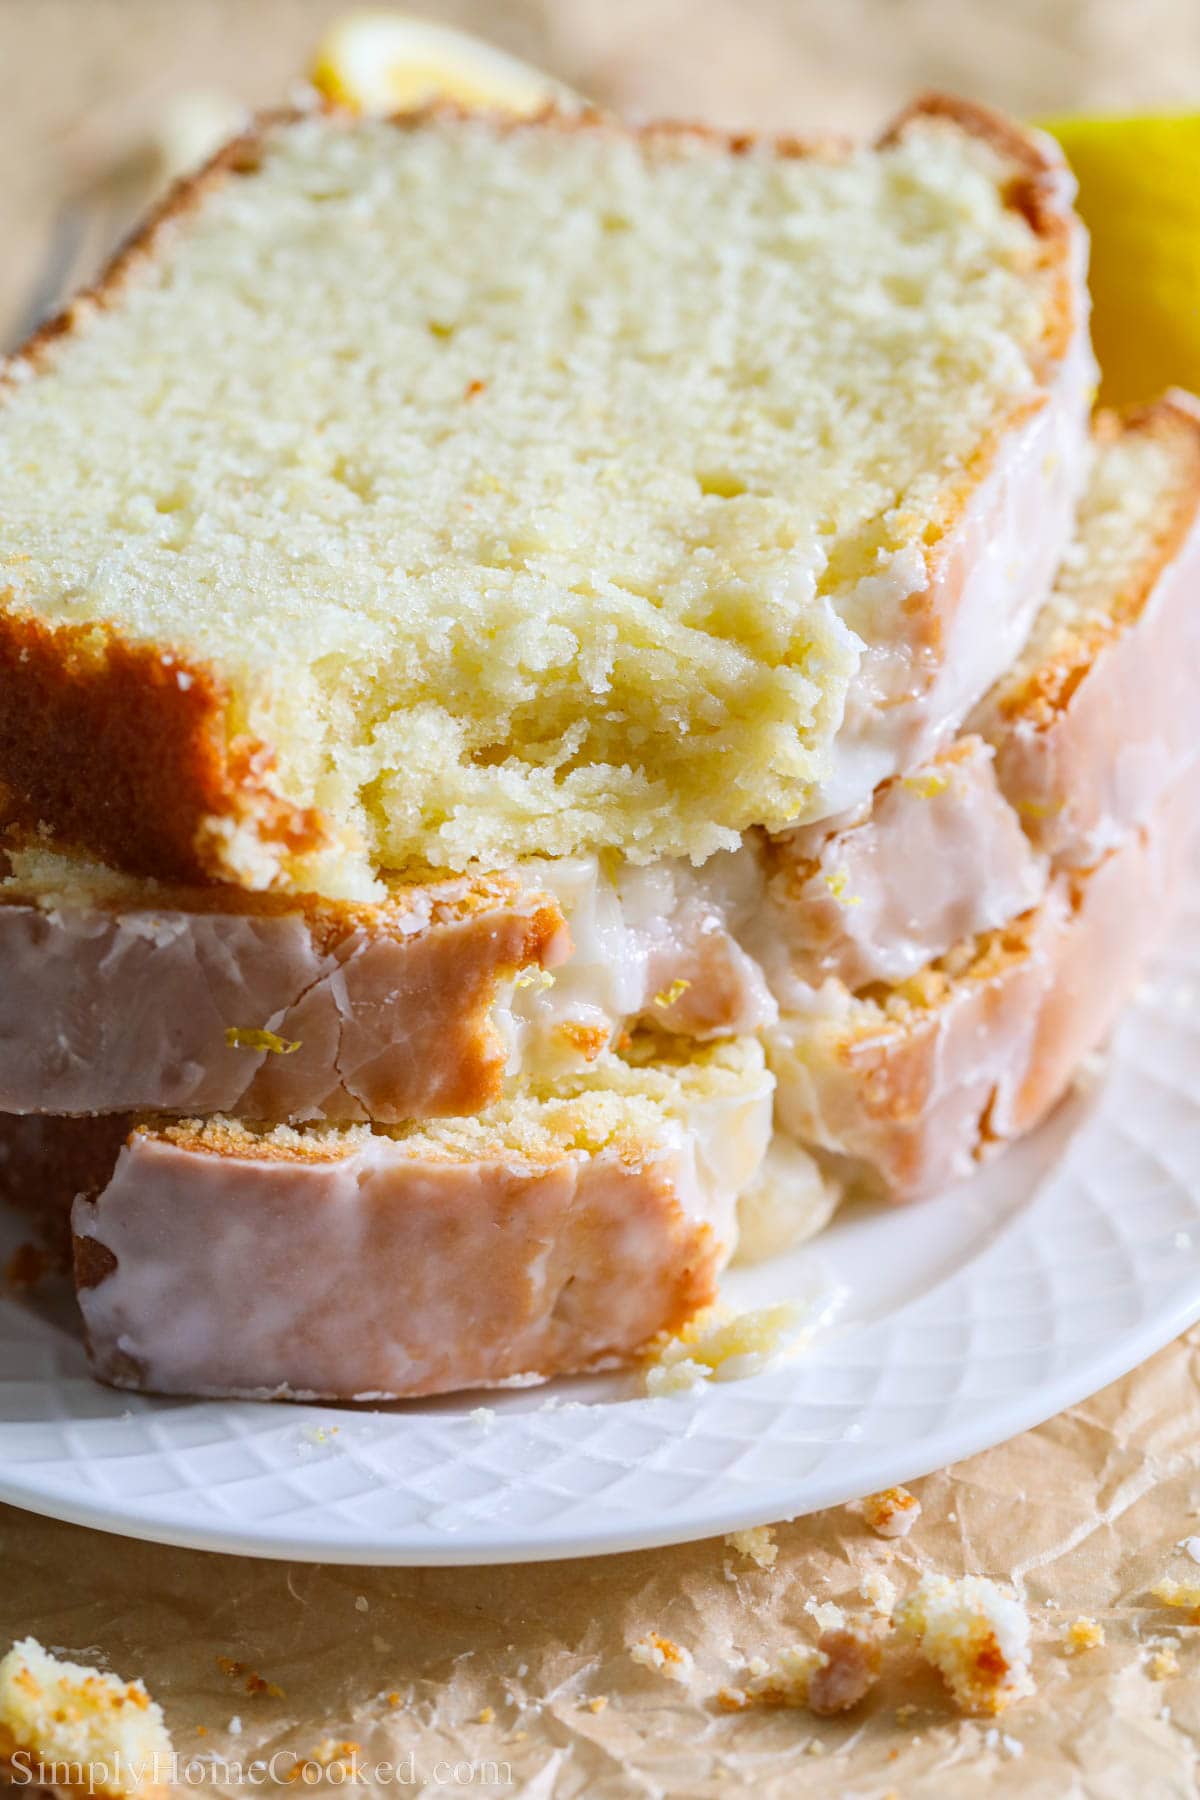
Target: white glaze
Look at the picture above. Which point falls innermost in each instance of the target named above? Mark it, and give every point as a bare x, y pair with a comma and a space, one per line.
124, 1006
942, 634
938, 857
911, 1104
1082, 780
660, 944
380, 1273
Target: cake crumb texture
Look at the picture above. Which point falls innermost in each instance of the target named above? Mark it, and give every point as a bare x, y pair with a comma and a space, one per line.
566, 501
58, 1716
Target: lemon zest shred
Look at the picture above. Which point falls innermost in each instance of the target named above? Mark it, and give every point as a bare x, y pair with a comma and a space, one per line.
927, 786
669, 995
837, 883
541, 979
249, 1037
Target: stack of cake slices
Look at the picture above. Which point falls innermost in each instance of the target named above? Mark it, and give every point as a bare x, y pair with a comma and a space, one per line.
566, 695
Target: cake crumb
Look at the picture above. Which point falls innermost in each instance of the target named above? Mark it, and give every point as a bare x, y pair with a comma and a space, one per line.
892, 1513
361, 1603
319, 1434
828, 1678
598, 1704
255, 1683
1082, 1634
757, 1544
783, 1683
338, 1753
58, 1712
720, 1346
850, 1670
826, 1615
1162, 1665
879, 1590
975, 1635
487, 1715
1185, 1594
664, 1655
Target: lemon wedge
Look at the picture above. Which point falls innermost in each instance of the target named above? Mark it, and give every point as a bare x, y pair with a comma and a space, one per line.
1139, 195
385, 62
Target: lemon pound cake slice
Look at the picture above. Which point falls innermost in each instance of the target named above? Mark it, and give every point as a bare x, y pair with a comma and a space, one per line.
1094, 724
1099, 713
552, 1234
120, 994
907, 1089
605, 489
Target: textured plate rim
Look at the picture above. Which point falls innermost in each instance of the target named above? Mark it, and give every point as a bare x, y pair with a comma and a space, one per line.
1074, 1288
772, 1507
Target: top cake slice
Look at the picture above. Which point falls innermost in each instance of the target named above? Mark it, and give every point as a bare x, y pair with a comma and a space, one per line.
446, 490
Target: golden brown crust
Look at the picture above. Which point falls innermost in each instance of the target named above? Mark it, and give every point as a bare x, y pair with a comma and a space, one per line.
450, 899
227, 1139
231, 1140
1031, 152
102, 742
594, 119
98, 740
1047, 690
1036, 192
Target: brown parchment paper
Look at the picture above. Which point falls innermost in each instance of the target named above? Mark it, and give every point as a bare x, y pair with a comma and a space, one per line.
479, 1672
485, 1680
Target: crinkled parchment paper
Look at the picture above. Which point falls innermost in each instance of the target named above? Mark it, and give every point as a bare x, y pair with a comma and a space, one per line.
485, 1679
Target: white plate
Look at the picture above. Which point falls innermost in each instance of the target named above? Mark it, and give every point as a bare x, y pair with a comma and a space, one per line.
970, 1318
